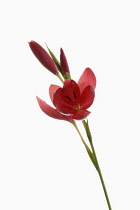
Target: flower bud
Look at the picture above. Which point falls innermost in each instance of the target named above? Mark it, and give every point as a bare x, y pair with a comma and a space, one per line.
44, 58
64, 63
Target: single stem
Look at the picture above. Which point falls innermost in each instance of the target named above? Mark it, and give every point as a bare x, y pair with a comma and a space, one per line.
86, 146
59, 76
74, 123
101, 178
104, 188
98, 167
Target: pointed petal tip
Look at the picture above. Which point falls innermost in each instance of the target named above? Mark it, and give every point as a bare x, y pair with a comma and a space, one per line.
37, 98
61, 50
92, 75
40, 101
31, 42
52, 89
51, 112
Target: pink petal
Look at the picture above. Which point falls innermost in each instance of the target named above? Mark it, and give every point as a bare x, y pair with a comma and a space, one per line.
87, 78
52, 89
60, 104
51, 112
87, 97
70, 92
80, 115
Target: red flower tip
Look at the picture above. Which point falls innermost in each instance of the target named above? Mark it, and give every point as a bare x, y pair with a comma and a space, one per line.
42, 55
64, 63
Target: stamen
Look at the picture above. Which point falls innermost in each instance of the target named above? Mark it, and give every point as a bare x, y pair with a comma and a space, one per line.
74, 95
68, 98
74, 103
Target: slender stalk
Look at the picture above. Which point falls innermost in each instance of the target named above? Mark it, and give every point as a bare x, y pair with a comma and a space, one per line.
74, 123
59, 76
98, 167
104, 188
86, 146
101, 178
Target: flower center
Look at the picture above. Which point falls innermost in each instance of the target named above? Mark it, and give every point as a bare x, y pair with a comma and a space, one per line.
73, 102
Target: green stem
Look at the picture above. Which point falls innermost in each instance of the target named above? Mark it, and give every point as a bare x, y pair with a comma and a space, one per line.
74, 123
104, 188
101, 178
96, 160
86, 146
59, 76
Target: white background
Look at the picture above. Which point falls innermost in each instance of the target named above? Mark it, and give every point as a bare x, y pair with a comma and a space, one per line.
43, 164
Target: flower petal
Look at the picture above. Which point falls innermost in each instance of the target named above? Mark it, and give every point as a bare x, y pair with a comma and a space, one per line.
87, 78
70, 92
81, 115
60, 104
87, 97
51, 112
52, 89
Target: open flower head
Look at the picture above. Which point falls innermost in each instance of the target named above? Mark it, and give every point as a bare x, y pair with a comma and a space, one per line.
73, 99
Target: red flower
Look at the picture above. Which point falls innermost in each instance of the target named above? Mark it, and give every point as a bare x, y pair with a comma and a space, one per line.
44, 58
73, 100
